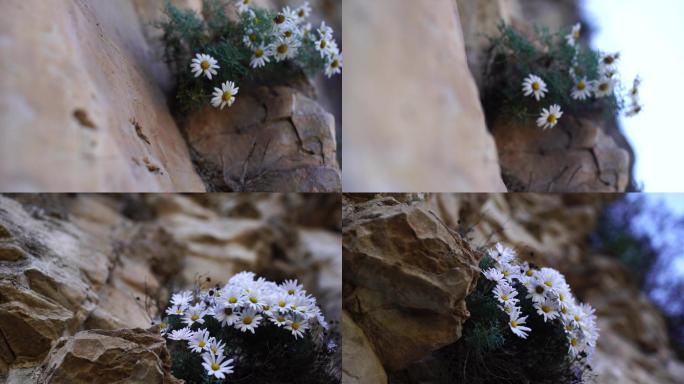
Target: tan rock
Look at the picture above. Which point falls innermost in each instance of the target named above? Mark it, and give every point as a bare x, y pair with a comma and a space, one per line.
360, 364
417, 125
75, 112
575, 156
119, 356
274, 139
403, 270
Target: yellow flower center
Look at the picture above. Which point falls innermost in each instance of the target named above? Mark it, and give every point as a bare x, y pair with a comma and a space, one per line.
581, 86
287, 34
258, 52
576, 317
609, 60
514, 323
290, 291
214, 365
205, 65
179, 311
552, 119
576, 35
573, 342
529, 273
281, 318
252, 299
536, 86
546, 308
201, 344
603, 87
323, 44
163, 325
335, 64
548, 283
301, 13
282, 303
227, 97
194, 317
247, 320
282, 49
232, 300
505, 273
253, 38
227, 311
504, 297
539, 289
246, 2
561, 296
295, 325
279, 19
564, 310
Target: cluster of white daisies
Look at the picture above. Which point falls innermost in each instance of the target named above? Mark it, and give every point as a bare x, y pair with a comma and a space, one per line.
550, 295
281, 43
245, 303
583, 88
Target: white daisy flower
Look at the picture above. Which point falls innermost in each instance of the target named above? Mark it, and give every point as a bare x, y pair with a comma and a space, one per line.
204, 65
574, 36
278, 318
301, 304
551, 278
322, 45
537, 291
243, 278
225, 95
574, 344
510, 272
505, 294
303, 12
255, 299
251, 40
604, 87
182, 299
194, 314
243, 5
216, 346
535, 86
576, 72
163, 327
260, 56
494, 274
325, 31
334, 65
516, 323
286, 19
181, 334
175, 310
501, 254
199, 341
297, 325
608, 61
225, 314
248, 320
547, 309
292, 287
284, 49
231, 296
549, 117
581, 90
216, 366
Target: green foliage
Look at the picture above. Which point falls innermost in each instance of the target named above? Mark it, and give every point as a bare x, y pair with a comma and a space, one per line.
185, 33
514, 56
270, 355
489, 352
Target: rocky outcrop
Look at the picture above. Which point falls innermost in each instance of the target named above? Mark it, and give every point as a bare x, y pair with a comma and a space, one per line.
576, 156
405, 279
121, 356
418, 125
80, 102
273, 139
75, 263
361, 365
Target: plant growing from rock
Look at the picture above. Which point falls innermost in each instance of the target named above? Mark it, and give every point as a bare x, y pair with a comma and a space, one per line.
211, 56
525, 326
549, 75
249, 331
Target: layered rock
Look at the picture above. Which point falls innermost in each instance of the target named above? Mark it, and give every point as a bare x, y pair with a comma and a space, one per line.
405, 279
272, 139
74, 263
576, 156
83, 110
418, 125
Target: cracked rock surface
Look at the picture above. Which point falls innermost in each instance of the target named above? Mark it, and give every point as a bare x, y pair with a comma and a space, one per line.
575, 156
272, 139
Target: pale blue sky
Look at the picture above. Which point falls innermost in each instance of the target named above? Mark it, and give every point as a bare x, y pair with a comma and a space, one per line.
649, 34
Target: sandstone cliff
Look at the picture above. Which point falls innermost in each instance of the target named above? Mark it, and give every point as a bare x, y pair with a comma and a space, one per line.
407, 264
82, 277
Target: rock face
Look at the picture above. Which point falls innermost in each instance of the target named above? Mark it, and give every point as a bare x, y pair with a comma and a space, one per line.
358, 354
80, 105
121, 356
274, 139
576, 156
418, 125
403, 270
86, 262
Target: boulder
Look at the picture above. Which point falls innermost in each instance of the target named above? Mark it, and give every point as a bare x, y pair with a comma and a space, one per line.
86, 98
575, 156
361, 365
271, 139
406, 276
117, 356
418, 125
